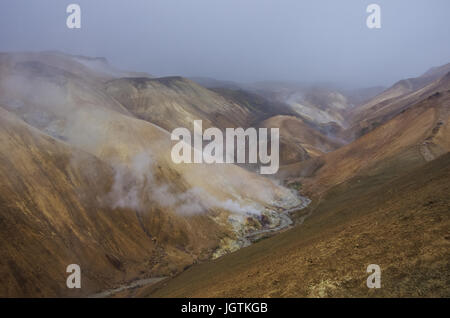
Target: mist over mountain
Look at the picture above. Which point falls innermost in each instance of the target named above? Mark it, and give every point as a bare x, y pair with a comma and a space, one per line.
58, 117
251, 41
224, 148
86, 150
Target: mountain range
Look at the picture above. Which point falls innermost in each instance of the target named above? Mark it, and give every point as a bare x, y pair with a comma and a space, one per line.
87, 178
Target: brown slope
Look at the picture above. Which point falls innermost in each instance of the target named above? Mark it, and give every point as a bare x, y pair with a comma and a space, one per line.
401, 225
260, 107
95, 70
416, 135
55, 211
177, 102
64, 105
33, 83
407, 86
173, 102
51, 217
317, 104
395, 99
299, 141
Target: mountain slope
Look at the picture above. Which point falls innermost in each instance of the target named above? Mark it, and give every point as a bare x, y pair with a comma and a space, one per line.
395, 99
317, 104
159, 216
401, 225
298, 140
174, 102
51, 217
416, 135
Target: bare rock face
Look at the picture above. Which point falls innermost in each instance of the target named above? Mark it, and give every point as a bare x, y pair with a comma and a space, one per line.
299, 140
173, 102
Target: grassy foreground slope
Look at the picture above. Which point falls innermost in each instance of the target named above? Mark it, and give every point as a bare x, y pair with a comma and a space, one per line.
402, 225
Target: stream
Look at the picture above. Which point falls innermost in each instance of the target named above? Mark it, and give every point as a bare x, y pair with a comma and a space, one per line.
285, 222
137, 283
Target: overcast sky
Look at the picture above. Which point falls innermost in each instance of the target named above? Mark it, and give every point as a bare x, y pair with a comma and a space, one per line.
241, 40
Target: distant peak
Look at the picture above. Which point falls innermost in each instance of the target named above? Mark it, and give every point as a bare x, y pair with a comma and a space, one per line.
437, 71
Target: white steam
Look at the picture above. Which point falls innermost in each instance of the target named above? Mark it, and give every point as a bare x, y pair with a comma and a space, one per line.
135, 186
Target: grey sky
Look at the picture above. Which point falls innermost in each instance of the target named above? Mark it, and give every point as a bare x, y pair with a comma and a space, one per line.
241, 40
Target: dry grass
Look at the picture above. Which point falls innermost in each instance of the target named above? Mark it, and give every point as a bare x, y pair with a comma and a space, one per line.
402, 225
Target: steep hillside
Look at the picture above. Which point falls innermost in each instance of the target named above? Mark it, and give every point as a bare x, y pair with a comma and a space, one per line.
60, 104
318, 104
51, 216
416, 135
360, 96
402, 226
260, 107
173, 102
158, 215
395, 99
176, 102
60, 205
298, 140
94, 70
213, 83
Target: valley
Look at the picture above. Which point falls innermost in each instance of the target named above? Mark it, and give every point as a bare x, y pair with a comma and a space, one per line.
88, 177
284, 223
